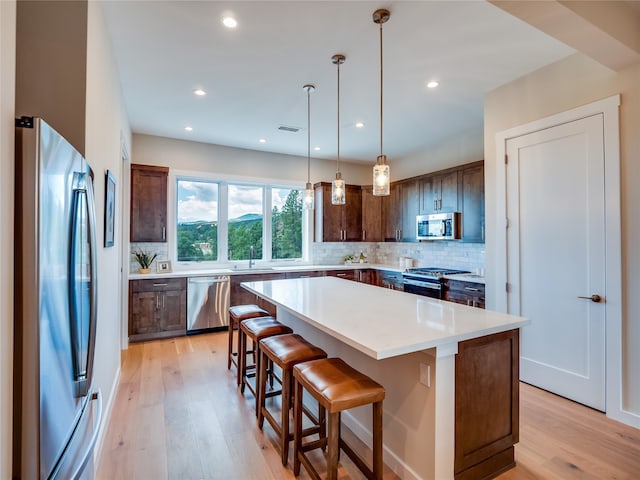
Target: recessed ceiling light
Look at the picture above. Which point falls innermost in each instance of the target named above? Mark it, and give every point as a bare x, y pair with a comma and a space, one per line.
188, 129
229, 22
316, 148
432, 84
199, 92
359, 125
263, 140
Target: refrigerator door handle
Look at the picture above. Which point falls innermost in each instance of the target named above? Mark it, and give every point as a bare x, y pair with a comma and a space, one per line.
95, 395
82, 284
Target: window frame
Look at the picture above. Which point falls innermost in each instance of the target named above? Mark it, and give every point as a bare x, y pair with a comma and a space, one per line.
223, 222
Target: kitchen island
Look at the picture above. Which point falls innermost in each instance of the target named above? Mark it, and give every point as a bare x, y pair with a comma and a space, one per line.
450, 371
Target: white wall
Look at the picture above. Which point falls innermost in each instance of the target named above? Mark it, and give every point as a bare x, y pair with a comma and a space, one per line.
7, 109
106, 126
466, 147
202, 157
567, 84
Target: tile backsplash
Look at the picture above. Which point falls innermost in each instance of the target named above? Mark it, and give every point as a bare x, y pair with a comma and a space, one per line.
162, 249
445, 254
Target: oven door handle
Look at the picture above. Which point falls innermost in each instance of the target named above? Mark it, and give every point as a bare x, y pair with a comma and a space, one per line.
418, 283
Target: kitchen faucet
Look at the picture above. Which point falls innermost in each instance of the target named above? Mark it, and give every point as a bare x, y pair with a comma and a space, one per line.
251, 261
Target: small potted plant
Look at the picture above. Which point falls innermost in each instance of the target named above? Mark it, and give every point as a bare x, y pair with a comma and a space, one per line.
145, 260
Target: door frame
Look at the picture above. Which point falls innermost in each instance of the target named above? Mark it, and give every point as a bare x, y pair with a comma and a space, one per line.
608, 107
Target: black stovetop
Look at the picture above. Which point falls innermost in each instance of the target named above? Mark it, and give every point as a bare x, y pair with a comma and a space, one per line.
434, 272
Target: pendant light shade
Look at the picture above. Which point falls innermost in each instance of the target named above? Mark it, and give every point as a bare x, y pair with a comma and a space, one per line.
338, 193
307, 201
381, 172
381, 176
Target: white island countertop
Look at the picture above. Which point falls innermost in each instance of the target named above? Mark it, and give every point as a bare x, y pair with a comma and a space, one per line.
380, 322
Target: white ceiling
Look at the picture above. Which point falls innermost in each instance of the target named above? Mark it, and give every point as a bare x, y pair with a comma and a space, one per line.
254, 74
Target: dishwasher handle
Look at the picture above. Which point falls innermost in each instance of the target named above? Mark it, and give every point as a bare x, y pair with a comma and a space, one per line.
210, 280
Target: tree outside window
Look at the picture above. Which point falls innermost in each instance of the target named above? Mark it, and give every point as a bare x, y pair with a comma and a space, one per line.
197, 228
245, 207
286, 223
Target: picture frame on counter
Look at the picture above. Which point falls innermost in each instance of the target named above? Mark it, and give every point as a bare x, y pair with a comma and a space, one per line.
163, 266
109, 209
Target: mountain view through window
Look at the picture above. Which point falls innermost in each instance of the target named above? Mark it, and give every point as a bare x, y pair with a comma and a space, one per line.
199, 203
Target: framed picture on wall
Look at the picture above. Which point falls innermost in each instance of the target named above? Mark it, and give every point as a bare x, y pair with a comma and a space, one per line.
109, 209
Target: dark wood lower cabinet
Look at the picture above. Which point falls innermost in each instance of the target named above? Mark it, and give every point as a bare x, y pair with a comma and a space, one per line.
157, 308
487, 405
465, 293
242, 296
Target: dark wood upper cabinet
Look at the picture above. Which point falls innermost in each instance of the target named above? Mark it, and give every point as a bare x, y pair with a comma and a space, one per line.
410, 209
148, 203
399, 210
392, 218
338, 223
471, 200
392, 214
439, 192
371, 216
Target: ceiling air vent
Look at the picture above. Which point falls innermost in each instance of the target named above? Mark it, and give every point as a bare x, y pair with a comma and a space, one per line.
286, 128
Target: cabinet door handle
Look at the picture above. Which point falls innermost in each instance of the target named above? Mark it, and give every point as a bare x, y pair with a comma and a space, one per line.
471, 289
163, 301
164, 233
157, 302
160, 284
435, 204
364, 235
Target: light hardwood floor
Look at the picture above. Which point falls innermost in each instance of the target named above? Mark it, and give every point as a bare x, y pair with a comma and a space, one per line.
178, 415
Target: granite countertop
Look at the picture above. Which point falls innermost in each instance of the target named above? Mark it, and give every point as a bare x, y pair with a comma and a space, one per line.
380, 322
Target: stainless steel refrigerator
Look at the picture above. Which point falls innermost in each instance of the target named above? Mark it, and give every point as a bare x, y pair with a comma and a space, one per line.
56, 412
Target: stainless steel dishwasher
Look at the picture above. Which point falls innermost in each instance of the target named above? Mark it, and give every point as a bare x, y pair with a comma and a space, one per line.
207, 303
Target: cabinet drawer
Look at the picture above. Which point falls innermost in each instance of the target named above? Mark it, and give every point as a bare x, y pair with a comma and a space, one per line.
158, 284
466, 293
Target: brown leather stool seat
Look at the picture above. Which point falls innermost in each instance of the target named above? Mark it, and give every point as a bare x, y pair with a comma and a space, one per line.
285, 351
237, 314
337, 387
255, 329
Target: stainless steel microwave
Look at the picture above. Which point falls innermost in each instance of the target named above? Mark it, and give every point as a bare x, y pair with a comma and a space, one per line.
438, 226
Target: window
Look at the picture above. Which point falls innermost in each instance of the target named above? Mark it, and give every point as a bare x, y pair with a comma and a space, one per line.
197, 230
220, 221
245, 222
286, 223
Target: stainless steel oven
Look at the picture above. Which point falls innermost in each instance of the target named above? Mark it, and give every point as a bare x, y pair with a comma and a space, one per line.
428, 282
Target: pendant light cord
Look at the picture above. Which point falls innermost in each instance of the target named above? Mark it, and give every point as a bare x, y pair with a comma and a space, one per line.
381, 89
338, 162
308, 135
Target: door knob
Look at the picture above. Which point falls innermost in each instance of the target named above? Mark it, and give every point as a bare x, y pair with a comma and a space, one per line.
595, 298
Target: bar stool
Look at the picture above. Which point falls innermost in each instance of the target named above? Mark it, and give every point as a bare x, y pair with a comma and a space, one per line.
285, 351
337, 387
255, 329
237, 314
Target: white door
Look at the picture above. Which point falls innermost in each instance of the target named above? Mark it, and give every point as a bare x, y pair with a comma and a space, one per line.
556, 254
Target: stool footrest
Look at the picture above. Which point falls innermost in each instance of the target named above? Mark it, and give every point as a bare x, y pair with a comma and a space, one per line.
312, 445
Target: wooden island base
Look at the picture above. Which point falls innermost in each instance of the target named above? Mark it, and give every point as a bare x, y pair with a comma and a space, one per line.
486, 405
450, 371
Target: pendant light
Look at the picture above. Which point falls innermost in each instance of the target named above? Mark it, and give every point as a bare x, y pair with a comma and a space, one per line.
381, 172
338, 195
307, 202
